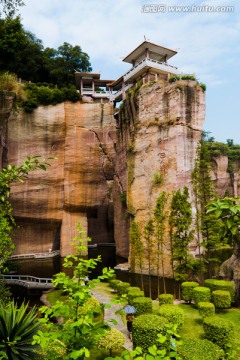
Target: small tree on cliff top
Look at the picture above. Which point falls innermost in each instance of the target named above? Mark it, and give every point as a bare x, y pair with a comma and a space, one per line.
9, 175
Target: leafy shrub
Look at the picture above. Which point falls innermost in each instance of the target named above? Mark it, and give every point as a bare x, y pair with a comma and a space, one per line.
191, 349
221, 299
219, 331
9, 82
112, 340
157, 179
187, 290
134, 294
133, 288
203, 86
201, 294
174, 314
146, 328
143, 305
165, 299
206, 309
122, 287
181, 77
214, 284
113, 283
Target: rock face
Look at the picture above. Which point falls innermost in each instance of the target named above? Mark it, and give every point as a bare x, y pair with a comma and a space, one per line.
225, 181
6, 104
160, 128
78, 184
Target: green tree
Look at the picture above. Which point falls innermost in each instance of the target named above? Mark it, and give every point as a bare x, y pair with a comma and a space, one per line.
160, 217
136, 248
65, 61
206, 224
9, 7
79, 331
180, 221
149, 241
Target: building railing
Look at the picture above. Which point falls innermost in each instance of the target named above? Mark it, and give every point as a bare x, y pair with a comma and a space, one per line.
151, 63
47, 254
27, 281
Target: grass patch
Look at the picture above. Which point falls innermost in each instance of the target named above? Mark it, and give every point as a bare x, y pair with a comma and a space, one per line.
54, 295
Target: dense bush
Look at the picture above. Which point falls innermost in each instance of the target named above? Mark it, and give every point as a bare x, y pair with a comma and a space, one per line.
174, 314
112, 340
143, 305
122, 287
45, 95
113, 283
191, 349
206, 309
221, 299
187, 290
181, 77
146, 328
201, 293
133, 288
134, 294
165, 299
219, 331
214, 284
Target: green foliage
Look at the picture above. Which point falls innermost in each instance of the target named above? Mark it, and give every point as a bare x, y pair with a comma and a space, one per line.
192, 349
10, 7
79, 331
113, 283
149, 246
187, 290
173, 313
23, 54
165, 299
206, 309
133, 288
219, 331
214, 284
122, 288
203, 86
201, 294
43, 95
17, 329
181, 77
137, 250
221, 299
5, 294
157, 179
146, 328
113, 339
228, 210
143, 305
123, 198
134, 294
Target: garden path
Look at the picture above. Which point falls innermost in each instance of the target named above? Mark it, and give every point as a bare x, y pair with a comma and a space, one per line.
110, 314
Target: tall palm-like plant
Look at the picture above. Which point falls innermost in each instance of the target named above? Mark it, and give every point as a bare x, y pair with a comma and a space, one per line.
17, 328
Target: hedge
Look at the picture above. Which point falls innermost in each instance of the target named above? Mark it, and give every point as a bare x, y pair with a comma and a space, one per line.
134, 294
133, 288
206, 308
173, 313
200, 294
221, 299
165, 299
219, 331
122, 287
187, 290
146, 328
191, 349
214, 284
113, 283
143, 305
113, 339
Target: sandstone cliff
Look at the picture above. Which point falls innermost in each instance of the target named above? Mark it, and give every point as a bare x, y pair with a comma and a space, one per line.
78, 184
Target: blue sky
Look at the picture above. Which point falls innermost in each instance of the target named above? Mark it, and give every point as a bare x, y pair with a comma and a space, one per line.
207, 39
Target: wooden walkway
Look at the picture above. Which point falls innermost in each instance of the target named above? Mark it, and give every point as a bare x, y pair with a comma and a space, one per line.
43, 255
27, 281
